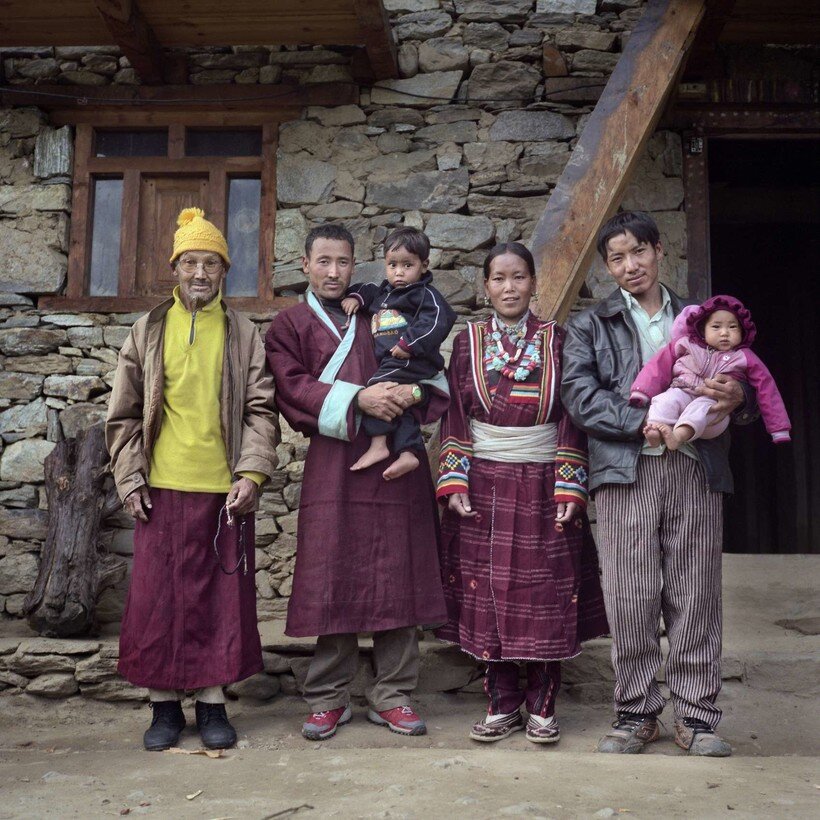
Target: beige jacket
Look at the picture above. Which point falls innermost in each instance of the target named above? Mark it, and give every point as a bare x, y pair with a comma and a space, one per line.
250, 426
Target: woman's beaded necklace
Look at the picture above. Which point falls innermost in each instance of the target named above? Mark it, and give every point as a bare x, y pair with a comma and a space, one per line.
527, 356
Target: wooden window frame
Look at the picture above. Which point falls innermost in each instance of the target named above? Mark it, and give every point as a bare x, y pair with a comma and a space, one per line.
705, 122
87, 167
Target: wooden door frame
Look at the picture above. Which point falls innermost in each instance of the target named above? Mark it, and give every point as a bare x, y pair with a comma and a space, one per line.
699, 125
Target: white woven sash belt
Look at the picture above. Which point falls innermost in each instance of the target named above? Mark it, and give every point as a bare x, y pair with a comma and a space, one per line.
514, 444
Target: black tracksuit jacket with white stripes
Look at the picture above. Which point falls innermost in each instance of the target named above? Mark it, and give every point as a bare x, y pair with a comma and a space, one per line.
427, 321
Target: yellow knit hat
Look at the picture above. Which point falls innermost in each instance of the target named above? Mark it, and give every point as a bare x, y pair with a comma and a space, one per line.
195, 233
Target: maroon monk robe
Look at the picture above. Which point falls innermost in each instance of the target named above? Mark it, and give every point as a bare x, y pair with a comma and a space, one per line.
187, 624
366, 556
516, 588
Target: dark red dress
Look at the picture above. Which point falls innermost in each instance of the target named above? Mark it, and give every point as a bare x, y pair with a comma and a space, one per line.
516, 589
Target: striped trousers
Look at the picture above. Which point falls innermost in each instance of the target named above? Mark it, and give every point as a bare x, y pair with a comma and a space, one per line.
660, 542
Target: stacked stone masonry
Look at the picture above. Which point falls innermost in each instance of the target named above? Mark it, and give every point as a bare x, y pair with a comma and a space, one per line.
467, 144
54, 668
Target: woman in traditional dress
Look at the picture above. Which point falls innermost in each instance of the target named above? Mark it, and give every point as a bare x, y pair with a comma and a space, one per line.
518, 562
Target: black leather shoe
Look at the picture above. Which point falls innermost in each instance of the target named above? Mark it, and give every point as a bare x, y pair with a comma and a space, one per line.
214, 729
165, 727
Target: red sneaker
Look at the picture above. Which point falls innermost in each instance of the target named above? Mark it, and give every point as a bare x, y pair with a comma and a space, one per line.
323, 725
402, 720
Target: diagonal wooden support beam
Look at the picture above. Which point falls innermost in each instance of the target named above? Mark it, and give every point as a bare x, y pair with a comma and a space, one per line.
136, 39
593, 182
378, 39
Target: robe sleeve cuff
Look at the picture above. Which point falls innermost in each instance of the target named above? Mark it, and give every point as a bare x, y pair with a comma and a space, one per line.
258, 478
333, 417
438, 383
451, 486
454, 467
571, 476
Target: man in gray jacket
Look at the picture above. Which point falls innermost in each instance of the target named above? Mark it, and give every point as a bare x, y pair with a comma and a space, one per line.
659, 512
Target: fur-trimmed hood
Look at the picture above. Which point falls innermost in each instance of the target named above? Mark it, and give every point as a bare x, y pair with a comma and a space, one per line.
696, 318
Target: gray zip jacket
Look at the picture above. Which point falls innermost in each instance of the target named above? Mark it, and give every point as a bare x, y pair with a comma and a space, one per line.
600, 361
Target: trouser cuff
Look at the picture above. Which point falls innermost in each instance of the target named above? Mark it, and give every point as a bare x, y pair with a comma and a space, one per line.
210, 694
390, 703
326, 705
160, 695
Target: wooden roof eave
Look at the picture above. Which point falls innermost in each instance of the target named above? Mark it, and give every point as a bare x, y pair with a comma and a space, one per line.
145, 29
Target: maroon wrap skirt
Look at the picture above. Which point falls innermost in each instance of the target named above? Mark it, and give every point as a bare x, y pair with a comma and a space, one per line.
516, 588
187, 624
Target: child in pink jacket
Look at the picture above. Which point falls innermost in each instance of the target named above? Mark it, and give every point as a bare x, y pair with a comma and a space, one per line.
712, 338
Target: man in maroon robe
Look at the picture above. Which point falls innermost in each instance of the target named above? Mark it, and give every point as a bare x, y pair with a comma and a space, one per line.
366, 557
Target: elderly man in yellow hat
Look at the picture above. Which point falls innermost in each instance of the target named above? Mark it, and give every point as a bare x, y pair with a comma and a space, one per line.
192, 434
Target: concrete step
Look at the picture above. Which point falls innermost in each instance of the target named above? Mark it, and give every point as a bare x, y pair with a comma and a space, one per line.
771, 639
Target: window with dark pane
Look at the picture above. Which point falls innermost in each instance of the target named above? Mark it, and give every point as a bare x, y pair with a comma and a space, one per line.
149, 143
244, 201
131, 180
223, 143
104, 269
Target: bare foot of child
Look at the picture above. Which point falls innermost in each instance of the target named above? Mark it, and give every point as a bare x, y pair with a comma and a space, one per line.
668, 436
652, 434
378, 451
405, 463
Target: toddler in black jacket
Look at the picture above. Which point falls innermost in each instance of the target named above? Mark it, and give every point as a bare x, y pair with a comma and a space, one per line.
410, 321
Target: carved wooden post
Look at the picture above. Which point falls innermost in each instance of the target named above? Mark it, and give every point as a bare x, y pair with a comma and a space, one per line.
74, 567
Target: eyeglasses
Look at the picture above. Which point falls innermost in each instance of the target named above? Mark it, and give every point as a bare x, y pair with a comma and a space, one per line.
209, 265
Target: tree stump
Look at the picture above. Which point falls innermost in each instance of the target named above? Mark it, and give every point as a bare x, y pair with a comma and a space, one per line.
75, 566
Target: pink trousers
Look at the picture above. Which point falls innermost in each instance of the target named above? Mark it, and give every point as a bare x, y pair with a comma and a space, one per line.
677, 407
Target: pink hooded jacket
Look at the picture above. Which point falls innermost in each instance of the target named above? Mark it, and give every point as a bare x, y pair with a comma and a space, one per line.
687, 361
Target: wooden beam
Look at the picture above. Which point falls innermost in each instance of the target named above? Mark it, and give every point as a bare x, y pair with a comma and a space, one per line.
378, 38
136, 39
267, 216
81, 217
592, 183
177, 98
696, 191
739, 120
139, 118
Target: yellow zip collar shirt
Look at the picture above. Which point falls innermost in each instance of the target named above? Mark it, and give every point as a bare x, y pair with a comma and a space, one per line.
189, 453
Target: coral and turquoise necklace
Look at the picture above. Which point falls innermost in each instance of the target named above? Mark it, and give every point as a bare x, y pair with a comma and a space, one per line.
520, 364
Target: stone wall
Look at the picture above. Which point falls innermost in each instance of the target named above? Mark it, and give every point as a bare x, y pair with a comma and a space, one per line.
466, 145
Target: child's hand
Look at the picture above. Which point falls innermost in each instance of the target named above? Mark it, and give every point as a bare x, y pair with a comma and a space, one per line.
397, 351
350, 305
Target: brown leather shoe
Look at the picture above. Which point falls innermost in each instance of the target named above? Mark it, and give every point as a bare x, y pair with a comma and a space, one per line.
489, 731
699, 738
629, 734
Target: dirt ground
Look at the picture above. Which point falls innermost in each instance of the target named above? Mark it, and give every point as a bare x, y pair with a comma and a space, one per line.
80, 758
